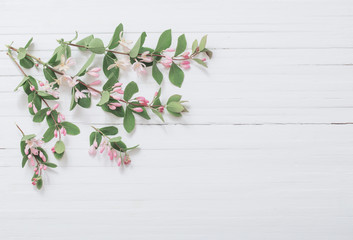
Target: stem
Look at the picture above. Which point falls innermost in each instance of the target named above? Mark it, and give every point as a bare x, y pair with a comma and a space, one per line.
121, 150
127, 54
38, 60
20, 129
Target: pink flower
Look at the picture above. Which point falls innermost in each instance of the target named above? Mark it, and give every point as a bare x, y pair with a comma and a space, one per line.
167, 62
161, 109
169, 50
53, 149
113, 106
32, 88
35, 109
118, 90
127, 160
139, 67
185, 64
116, 97
45, 167
55, 133
63, 131
93, 148
55, 106
204, 59
97, 82
142, 101
119, 161
30, 104
145, 58
117, 84
41, 84
94, 72
138, 109
80, 94
65, 64
155, 94
61, 117
41, 155
186, 55
48, 112
121, 64
124, 43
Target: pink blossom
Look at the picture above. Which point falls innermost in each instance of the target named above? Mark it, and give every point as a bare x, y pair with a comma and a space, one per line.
143, 101
121, 64
93, 148
186, 55
145, 58
61, 117
63, 131
30, 104
55, 133
45, 167
204, 59
55, 106
185, 64
32, 88
167, 62
113, 106
35, 109
41, 84
117, 84
80, 94
155, 94
48, 112
118, 90
53, 149
161, 109
139, 67
40, 166
124, 43
127, 160
35, 169
138, 109
42, 156
65, 64
94, 72
119, 161
95, 83
116, 97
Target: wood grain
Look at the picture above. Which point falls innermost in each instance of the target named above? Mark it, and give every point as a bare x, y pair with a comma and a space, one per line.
265, 152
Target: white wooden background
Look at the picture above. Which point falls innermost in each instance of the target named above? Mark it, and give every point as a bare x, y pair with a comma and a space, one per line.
265, 152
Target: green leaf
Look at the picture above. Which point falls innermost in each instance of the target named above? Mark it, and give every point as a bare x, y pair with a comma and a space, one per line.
21, 83
56, 58
27, 62
109, 84
83, 102
96, 46
108, 60
129, 120
49, 134
21, 53
105, 98
120, 146
59, 147
27, 137
51, 165
119, 111
73, 102
50, 118
203, 43
22, 147
29, 42
40, 115
87, 64
58, 156
181, 45
199, 61
39, 183
24, 161
174, 98
135, 50
46, 95
156, 73
175, 107
92, 136
85, 42
109, 130
130, 90
71, 128
130, 148
44, 152
194, 46
164, 41
176, 75
208, 52
115, 139
114, 42
49, 75
143, 114
159, 114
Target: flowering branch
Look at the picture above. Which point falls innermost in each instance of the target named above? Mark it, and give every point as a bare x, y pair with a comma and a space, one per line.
32, 151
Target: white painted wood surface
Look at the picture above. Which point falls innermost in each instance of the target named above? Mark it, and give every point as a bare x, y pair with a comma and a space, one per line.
265, 152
